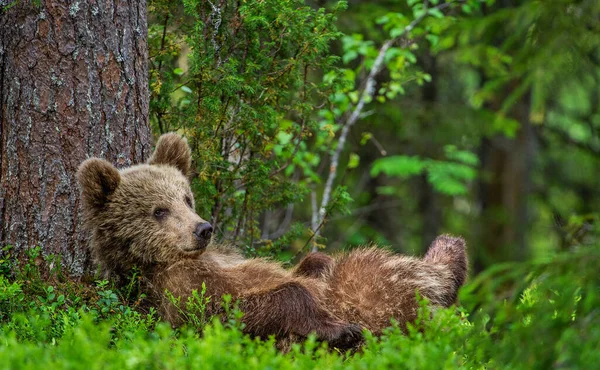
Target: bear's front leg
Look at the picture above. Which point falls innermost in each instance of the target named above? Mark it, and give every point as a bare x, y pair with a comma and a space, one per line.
291, 309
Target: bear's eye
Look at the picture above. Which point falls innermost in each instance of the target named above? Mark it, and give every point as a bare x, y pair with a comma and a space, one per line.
188, 201
161, 213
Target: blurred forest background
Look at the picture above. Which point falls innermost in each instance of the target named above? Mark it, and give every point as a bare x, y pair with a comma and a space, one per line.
314, 125
481, 119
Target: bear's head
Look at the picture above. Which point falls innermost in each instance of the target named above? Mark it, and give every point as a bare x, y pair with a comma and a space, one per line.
143, 215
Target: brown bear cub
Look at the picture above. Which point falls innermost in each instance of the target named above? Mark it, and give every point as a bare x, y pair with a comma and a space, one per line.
144, 216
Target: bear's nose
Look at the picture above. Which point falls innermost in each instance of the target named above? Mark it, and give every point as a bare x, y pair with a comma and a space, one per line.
203, 231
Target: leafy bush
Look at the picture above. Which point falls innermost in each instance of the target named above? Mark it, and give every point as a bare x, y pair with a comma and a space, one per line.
514, 316
265, 93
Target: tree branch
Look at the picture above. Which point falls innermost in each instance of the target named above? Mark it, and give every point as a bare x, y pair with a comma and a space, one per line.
216, 19
365, 96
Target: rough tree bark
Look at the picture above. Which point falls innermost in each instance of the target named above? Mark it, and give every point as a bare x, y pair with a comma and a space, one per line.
73, 84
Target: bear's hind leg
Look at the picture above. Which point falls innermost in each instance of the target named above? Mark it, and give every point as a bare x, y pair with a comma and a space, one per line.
450, 251
291, 309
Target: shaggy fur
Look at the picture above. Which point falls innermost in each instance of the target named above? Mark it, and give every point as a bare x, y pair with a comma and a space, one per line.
369, 286
144, 216
172, 149
315, 265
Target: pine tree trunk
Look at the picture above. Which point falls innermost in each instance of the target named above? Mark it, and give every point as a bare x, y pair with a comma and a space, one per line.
73, 84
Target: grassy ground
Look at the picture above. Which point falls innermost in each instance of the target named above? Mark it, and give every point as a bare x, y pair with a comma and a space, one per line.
512, 316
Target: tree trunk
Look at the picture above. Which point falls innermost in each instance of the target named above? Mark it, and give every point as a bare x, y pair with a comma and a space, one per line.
73, 84
506, 166
429, 209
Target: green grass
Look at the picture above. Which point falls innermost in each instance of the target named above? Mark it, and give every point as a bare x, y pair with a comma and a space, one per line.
518, 316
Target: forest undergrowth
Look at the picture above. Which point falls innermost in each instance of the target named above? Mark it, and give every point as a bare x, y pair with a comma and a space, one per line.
518, 316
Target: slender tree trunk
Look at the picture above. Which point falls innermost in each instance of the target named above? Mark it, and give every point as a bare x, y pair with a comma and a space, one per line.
73, 84
429, 209
504, 192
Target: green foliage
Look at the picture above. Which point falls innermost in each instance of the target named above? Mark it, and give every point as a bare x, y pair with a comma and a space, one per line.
252, 76
448, 177
41, 306
481, 117
521, 316
469, 100
262, 100
540, 314
193, 311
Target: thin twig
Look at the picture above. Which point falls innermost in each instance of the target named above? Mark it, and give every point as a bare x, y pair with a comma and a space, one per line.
216, 20
314, 217
380, 147
315, 248
162, 41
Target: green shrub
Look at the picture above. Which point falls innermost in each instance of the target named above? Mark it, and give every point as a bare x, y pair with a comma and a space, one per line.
518, 316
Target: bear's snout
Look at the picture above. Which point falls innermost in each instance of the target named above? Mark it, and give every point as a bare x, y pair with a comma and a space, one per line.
202, 233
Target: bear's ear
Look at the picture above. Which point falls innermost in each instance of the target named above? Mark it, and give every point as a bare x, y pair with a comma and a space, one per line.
173, 150
97, 180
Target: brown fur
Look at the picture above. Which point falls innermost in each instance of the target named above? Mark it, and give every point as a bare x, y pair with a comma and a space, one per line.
274, 301
173, 150
449, 251
325, 295
370, 286
121, 213
315, 265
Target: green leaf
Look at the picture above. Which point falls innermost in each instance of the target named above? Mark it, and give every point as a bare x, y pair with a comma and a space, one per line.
284, 137
433, 39
443, 181
366, 136
436, 13
400, 165
349, 56
290, 170
463, 156
395, 32
507, 126
339, 201
354, 161
386, 190
382, 19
